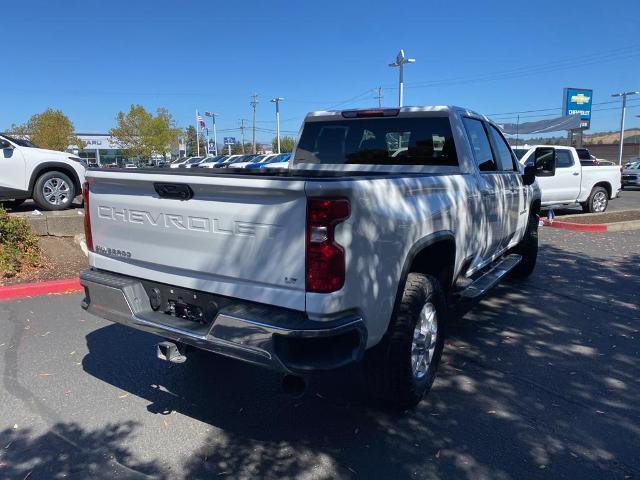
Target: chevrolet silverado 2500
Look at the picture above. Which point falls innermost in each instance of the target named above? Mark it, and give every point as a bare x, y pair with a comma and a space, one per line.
351, 254
590, 186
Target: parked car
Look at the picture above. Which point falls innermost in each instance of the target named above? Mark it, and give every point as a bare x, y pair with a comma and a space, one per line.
631, 175
52, 179
211, 161
253, 161
180, 161
130, 165
589, 186
240, 159
191, 162
227, 160
276, 161
371, 246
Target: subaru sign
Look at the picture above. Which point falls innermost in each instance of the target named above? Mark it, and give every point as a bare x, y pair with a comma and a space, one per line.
578, 101
229, 140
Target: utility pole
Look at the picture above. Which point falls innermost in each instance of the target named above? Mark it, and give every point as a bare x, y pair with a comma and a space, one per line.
401, 61
215, 134
277, 101
624, 96
379, 97
242, 120
254, 103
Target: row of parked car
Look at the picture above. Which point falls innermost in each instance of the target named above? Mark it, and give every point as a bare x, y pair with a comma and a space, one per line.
252, 161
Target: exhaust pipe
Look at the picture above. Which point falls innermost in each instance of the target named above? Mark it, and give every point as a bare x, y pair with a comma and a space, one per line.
171, 352
294, 385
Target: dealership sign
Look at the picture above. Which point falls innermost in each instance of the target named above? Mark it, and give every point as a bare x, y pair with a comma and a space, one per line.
229, 140
578, 101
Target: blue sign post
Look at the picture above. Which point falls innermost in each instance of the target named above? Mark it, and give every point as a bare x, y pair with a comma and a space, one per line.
578, 101
228, 141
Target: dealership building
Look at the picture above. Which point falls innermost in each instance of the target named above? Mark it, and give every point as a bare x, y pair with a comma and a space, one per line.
99, 148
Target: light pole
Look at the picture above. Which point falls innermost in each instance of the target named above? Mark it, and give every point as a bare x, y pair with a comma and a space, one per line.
254, 104
277, 101
624, 110
215, 134
401, 61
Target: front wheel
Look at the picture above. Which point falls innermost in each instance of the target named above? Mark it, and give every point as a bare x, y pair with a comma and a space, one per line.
401, 369
53, 191
597, 201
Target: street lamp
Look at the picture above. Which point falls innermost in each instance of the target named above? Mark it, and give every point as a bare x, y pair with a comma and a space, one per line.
215, 134
624, 96
277, 101
401, 61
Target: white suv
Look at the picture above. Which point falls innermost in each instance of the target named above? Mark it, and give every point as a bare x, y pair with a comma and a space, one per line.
51, 178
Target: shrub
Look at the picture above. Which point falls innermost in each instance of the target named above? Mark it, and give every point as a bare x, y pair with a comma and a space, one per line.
19, 246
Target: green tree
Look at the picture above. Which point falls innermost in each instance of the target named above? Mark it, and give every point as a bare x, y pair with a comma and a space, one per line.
286, 144
141, 134
50, 129
191, 145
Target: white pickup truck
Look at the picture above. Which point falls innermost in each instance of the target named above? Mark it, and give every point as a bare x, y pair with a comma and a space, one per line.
353, 253
50, 177
573, 183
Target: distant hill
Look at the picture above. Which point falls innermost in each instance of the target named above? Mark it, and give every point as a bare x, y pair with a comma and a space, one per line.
612, 137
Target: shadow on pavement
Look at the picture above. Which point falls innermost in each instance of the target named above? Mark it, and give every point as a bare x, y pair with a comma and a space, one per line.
540, 378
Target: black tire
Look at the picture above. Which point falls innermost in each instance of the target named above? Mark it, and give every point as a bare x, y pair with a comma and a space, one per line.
12, 203
388, 366
593, 203
41, 188
528, 249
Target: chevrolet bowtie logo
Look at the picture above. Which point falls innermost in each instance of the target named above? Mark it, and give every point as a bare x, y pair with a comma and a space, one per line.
580, 99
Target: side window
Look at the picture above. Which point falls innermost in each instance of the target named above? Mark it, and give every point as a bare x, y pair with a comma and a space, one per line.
564, 159
480, 144
502, 150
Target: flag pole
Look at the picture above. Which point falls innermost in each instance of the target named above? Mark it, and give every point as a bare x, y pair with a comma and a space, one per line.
197, 134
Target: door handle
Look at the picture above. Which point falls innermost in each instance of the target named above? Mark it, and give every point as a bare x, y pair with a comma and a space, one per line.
576, 173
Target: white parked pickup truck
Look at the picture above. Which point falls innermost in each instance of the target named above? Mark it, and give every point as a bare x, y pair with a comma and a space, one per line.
352, 254
573, 183
50, 177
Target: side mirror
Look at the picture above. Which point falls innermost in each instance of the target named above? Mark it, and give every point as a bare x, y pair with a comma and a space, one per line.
545, 161
529, 175
5, 144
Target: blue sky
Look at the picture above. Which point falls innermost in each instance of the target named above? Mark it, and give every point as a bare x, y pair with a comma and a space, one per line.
92, 59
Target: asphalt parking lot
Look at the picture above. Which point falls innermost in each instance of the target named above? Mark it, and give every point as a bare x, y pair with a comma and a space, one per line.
540, 380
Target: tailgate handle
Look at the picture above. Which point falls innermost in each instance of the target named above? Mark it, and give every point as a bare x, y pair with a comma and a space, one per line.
176, 191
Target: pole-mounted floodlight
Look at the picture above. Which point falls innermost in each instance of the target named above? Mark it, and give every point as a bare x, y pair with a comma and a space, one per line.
624, 96
277, 101
400, 62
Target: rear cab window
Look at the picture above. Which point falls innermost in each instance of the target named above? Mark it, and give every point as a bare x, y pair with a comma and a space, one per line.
378, 141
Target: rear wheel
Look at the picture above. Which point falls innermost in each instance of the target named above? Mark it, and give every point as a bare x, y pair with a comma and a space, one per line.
401, 369
53, 191
597, 201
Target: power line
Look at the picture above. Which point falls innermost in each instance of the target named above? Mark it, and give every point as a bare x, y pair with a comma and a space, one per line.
379, 97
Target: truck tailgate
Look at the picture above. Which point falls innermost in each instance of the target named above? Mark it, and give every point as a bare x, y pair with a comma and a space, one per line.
239, 236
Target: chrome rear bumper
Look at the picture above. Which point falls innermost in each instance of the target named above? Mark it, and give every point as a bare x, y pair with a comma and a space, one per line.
273, 337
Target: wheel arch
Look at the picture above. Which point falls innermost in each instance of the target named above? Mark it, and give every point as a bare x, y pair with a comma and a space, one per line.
55, 167
606, 185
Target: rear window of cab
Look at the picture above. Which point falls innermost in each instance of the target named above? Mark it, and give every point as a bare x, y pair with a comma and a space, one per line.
378, 141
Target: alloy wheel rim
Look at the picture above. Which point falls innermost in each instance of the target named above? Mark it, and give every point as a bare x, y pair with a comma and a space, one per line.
599, 202
425, 336
56, 191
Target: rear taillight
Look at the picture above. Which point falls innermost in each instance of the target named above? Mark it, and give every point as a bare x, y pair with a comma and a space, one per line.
325, 257
87, 216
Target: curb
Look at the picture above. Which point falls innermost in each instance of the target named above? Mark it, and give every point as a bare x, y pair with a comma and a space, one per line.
12, 292
595, 227
576, 227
